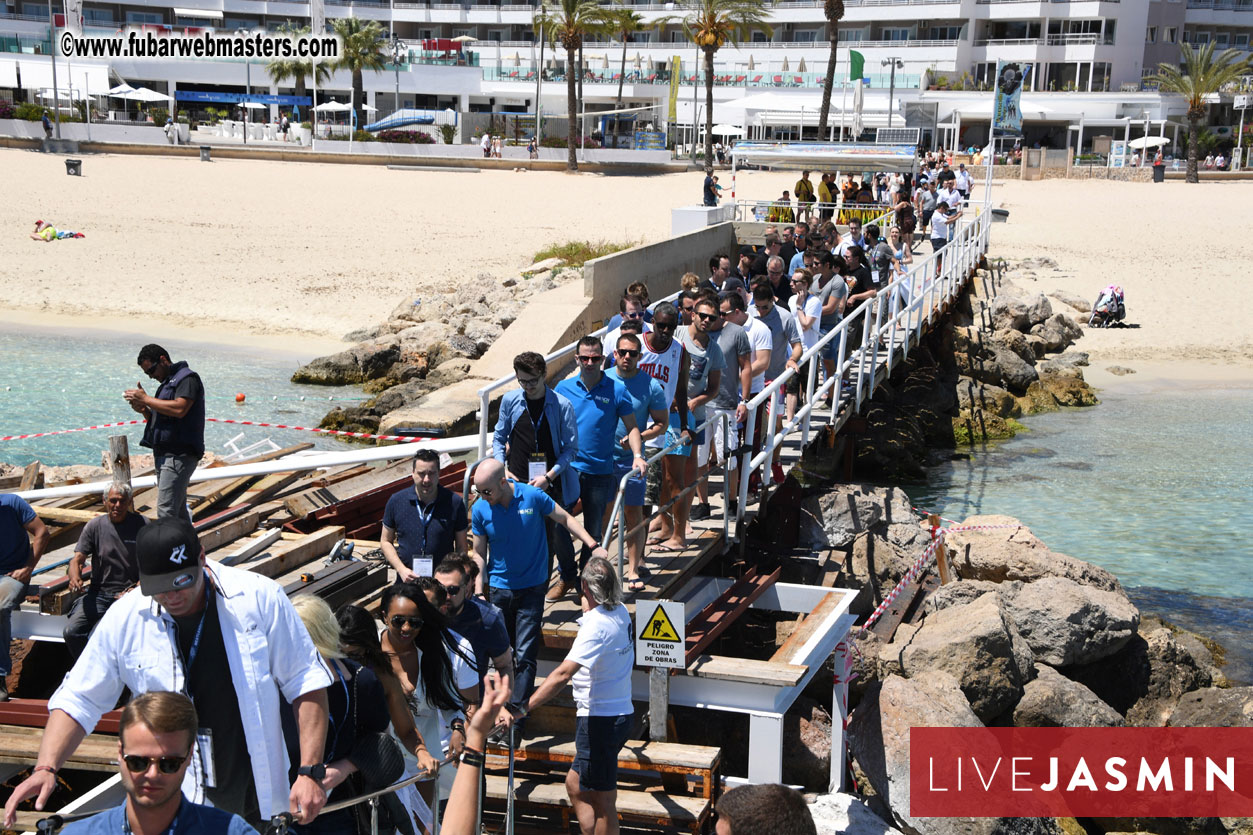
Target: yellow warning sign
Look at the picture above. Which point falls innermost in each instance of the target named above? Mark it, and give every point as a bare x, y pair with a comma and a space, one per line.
659, 628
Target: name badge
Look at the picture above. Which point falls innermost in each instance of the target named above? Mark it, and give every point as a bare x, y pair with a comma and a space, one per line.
423, 565
536, 467
204, 749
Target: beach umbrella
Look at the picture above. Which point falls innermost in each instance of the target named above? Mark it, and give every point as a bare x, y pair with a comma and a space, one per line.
801, 66
332, 107
604, 61
370, 108
1148, 142
253, 105
120, 89
516, 59
751, 65
728, 130
637, 62
785, 66
465, 39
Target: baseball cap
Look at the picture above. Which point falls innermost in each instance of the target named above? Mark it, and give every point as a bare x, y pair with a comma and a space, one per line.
169, 555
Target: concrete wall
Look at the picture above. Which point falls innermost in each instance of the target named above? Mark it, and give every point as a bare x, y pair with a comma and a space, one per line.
100, 131
660, 266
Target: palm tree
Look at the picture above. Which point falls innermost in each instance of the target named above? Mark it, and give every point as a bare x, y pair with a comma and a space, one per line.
1199, 75
834, 11
623, 22
364, 48
567, 22
296, 69
711, 24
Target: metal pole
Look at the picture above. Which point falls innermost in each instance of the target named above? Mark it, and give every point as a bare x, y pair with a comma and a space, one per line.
396, 63
891, 61
539, 74
52, 42
509, 797
247, 95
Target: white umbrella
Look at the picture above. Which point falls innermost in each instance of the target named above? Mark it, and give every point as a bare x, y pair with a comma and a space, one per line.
332, 107
63, 94
370, 108
145, 94
751, 65
728, 130
254, 105
801, 66
120, 89
1148, 142
785, 67
465, 39
516, 59
637, 62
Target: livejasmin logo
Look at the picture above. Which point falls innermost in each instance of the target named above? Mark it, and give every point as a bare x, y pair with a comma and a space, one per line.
1081, 772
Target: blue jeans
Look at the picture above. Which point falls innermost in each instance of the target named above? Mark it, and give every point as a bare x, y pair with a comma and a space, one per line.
597, 492
173, 476
84, 615
523, 610
559, 543
11, 594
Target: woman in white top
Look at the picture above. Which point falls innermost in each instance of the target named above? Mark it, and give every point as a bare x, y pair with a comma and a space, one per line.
599, 664
806, 308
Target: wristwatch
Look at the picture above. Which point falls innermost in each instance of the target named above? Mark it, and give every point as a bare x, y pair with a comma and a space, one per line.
317, 772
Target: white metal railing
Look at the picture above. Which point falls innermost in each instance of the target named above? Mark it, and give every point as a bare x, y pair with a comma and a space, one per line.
934, 280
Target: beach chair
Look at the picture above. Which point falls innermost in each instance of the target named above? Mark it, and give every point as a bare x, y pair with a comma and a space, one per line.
798, 81
739, 79
778, 81
756, 80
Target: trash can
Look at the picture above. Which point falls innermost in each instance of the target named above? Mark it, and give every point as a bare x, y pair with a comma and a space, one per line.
204, 153
1000, 215
1159, 173
74, 167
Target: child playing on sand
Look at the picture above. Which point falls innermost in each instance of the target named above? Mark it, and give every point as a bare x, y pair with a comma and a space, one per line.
47, 233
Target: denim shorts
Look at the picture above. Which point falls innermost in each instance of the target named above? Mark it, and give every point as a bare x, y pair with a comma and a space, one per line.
597, 741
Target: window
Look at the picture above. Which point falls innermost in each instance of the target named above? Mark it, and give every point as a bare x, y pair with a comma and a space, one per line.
495, 35
1222, 39
1109, 32
1242, 40
97, 16
1187, 36
852, 35
678, 37
805, 36
760, 37
1200, 38
1151, 37
1171, 33
945, 33
143, 17
38, 10
895, 34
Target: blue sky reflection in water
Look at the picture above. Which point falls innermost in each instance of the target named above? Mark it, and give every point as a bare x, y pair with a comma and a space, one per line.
1154, 486
94, 370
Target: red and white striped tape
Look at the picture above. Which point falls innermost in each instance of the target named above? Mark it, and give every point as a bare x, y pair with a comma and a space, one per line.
339, 432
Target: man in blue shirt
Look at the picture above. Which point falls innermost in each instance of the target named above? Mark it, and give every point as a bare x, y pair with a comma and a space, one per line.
599, 403
474, 619
536, 440
648, 399
154, 749
511, 524
423, 525
23, 538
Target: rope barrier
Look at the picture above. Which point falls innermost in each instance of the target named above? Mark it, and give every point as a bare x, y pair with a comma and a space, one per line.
338, 432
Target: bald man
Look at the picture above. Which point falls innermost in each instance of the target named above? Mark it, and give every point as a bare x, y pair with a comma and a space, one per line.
511, 548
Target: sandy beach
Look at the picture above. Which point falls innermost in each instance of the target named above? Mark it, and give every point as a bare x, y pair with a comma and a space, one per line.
295, 255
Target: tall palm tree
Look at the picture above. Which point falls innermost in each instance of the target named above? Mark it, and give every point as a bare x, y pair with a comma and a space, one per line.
624, 22
1200, 74
711, 24
296, 69
364, 48
567, 22
834, 11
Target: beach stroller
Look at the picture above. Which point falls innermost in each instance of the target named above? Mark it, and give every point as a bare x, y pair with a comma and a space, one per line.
1109, 308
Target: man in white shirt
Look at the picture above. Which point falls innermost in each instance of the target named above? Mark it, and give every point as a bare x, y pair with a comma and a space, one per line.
962, 182
761, 344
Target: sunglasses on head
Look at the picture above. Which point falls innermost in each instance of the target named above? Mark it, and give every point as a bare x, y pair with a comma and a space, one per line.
400, 621
166, 765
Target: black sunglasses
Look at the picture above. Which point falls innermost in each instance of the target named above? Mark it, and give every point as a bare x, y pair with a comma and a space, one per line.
708, 316
662, 326
166, 765
452, 590
399, 621
628, 352
586, 359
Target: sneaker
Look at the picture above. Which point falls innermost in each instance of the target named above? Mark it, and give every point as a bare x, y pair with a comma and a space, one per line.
700, 511
557, 591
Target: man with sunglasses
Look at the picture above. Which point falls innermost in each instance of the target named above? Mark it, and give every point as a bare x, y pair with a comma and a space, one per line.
632, 309
231, 640
536, 439
599, 402
156, 736
474, 619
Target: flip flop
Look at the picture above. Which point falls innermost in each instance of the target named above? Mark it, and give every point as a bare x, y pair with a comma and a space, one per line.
634, 584
654, 541
667, 549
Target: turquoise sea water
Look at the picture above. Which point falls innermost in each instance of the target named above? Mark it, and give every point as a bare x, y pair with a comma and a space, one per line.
1154, 485
57, 380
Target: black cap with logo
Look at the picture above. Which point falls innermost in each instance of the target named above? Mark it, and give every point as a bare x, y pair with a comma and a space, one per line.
169, 556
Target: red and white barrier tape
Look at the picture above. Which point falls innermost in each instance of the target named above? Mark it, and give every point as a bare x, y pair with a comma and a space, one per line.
361, 435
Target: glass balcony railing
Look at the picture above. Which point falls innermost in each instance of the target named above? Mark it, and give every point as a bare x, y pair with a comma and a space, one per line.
661, 75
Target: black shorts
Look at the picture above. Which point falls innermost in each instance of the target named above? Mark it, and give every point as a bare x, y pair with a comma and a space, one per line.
597, 741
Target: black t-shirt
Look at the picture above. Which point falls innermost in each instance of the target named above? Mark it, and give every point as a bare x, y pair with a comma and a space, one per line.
862, 274
710, 194
524, 440
211, 688
356, 706
787, 251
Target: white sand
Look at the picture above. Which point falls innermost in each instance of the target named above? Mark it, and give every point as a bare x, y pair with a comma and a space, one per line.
296, 255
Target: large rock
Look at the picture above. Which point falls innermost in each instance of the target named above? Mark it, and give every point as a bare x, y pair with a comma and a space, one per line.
807, 745
973, 395
482, 332
1015, 341
979, 645
1009, 551
1059, 332
1053, 701
1067, 623
849, 815
879, 737
1074, 300
990, 362
426, 337
1009, 311
1038, 309
1215, 707
367, 361
835, 518
961, 592
1067, 387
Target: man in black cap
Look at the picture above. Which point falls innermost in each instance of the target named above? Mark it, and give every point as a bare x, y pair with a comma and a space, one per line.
229, 639
175, 428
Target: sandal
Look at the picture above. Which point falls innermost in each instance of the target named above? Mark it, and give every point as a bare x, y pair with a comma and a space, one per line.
634, 584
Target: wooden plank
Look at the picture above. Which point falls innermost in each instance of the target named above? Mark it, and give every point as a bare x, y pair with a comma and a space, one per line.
32, 477
251, 547
229, 531
268, 486
300, 553
653, 806
725, 668
636, 754
59, 514
812, 622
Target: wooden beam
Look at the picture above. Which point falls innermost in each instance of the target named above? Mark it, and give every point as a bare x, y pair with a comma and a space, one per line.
714, 619
32, 477
63, 515
309, 549
120, 462
228, 532
806, 628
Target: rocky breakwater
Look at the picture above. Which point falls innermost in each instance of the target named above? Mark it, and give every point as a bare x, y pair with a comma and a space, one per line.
1024, 636
429, 341
1004, 352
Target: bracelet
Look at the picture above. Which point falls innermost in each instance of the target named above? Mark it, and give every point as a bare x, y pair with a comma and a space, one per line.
473, 758
50, 769
457, 725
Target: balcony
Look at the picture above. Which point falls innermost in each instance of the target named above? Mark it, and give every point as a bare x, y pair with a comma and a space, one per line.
738, 77
1075, 39
1009, 42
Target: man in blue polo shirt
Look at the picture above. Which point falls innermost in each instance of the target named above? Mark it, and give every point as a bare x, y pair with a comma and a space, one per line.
423, 525
23, 538
474, 619
508, 527
599, 403
648, 399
